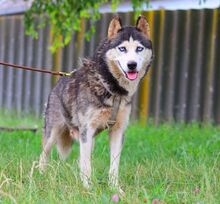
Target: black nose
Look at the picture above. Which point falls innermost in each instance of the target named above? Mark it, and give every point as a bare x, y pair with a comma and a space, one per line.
132, 65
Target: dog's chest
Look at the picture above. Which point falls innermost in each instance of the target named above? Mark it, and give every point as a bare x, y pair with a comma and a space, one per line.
103, 118
100, 118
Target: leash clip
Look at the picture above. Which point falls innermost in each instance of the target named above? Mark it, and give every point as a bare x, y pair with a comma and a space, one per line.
67, 73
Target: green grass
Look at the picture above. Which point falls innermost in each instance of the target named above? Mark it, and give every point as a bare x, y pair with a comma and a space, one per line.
168, 162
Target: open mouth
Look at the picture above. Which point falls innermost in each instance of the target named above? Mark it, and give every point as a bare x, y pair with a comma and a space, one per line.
131, 75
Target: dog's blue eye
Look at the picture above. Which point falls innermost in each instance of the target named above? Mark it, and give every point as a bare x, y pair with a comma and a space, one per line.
122, 49
139, 49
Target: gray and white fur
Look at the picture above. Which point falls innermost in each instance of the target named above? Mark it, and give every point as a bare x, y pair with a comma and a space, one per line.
80, 106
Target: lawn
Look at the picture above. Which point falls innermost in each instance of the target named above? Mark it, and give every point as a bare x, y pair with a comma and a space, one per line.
174, 163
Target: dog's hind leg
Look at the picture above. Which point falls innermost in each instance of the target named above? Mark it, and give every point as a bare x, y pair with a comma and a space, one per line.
49, 139
60, 135
48, 142
64, 142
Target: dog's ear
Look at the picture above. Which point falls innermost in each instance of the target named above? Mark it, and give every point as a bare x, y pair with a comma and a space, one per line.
114, 27
143, 26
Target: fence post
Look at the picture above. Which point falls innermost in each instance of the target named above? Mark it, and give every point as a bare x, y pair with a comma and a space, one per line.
144, 100
208, 99
184, 69
56, 58
80, 40
159, 71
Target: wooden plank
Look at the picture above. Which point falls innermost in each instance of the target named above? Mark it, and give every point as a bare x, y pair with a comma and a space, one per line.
27, 84
208, 98
217, 81
85, 44
144, 103
19, 61
2, 57
38, 59
170, 79
98, 34
75, 56
153, 69
92, 46
47, 79
104, 27
10, 58
57, 61
217, 99
128, 20
158, 77
184, 69
80, 40
195, 86
70, 55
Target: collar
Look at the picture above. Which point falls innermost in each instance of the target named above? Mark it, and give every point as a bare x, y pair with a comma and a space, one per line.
115, 108
116, 104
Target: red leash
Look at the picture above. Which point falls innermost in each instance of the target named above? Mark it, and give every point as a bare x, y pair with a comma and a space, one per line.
37, 70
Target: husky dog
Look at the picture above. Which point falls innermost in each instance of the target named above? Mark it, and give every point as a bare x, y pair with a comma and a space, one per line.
98, 96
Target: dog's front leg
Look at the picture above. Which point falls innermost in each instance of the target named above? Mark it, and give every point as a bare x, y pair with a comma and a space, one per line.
86, 144
116, 141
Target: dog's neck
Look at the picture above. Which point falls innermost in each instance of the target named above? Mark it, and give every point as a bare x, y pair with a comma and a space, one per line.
110, 83
130, 86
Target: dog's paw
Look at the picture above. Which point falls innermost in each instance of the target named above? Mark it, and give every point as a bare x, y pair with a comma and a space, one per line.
85, 181
116, 187
121, 191
42, 163
86, 185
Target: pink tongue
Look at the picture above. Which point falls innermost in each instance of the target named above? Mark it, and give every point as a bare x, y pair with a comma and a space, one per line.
132, 75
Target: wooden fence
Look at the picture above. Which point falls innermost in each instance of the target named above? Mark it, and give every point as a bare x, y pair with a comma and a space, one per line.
183, 84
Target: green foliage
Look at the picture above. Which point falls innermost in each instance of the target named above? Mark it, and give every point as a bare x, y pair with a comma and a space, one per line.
66, 16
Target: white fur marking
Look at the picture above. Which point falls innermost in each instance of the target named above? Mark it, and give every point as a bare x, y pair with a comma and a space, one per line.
85, 157
121, 59
116, 138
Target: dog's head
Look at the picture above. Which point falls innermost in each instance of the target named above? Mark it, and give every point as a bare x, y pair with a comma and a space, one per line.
129, 53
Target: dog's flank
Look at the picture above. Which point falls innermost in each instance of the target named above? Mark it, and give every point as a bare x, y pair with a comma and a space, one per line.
98, 96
